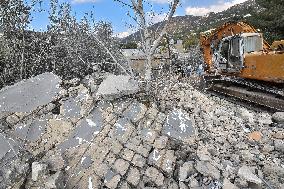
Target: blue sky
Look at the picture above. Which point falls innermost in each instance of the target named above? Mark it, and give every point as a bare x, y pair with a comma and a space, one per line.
111, 11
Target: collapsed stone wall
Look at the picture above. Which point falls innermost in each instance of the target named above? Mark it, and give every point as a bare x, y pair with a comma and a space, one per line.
187, 140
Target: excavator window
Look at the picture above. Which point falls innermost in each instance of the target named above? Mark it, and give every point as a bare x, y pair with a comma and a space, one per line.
235, 47
225, 49
234, 62
253, 43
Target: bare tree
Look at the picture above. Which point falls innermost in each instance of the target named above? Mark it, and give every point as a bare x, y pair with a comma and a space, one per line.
149, 44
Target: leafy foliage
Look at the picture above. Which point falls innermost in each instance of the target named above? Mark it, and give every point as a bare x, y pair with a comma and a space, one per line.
129, 45
190, 41
68, 48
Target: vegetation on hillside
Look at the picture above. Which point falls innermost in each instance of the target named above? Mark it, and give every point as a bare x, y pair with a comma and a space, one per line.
270, 19
266, 15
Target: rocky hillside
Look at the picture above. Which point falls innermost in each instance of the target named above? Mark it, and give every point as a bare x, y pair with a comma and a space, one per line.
182, 25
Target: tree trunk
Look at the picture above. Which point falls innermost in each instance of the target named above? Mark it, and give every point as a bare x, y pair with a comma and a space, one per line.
148, 69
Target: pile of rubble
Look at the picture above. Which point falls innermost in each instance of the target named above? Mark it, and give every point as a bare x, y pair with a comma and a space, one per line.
79, 134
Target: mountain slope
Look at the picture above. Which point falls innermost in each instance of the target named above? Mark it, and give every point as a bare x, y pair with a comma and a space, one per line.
182, 25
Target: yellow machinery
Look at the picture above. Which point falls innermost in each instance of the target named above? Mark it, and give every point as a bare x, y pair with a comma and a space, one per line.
237, 49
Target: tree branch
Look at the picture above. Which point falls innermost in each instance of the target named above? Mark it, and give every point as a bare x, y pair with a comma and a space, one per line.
125, 4
164, 30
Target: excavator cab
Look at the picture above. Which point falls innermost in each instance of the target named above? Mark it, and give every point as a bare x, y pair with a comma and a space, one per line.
229, 57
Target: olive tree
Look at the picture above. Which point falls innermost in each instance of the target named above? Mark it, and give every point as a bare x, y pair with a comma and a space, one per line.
149, 43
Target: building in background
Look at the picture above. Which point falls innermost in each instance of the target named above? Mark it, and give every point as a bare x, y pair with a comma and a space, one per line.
138, 58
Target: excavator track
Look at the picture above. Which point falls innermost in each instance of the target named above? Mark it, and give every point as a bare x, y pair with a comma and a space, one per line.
271, 97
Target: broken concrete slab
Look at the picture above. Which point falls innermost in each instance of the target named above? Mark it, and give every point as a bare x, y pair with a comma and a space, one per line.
9, 148
122, 130
179, 126
31, 131
4, 146
86, 162
84, 132
116, 86
70, 109
86, 129
29, 94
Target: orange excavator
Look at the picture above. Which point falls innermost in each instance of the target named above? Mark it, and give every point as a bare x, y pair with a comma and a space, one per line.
237, 52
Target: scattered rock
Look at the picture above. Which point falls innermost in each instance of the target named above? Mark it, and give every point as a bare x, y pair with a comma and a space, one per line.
133, 176
12, 119
183, 185
246, 115
193, 183
246, 173
228, 185
265, 118
278, 117
172, 184
127, 154
203, 154
121, 166
149, 135
54, 160
256, 135
38, 169
186, 170
155, 176
112, 179
161, 142
135, 112
207, 169
279, 145
55, 181
138, 160
169, 162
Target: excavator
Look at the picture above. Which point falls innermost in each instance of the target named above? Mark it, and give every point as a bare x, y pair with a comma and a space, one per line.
240, 63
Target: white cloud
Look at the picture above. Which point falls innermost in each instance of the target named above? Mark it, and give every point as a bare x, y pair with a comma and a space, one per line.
84, 1
161, 1
153, 18
122, 34
221, 6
